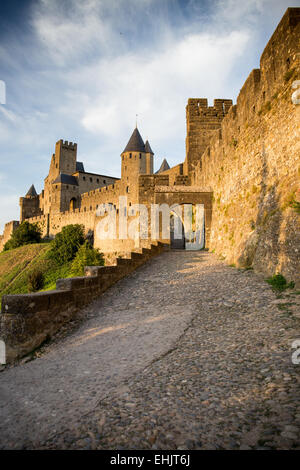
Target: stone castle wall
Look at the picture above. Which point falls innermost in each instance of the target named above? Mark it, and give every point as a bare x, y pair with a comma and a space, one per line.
252, 163
8, 231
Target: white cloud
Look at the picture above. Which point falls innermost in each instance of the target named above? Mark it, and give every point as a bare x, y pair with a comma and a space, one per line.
157, 87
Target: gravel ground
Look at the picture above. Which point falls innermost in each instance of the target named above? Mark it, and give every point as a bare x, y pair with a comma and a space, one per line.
185, 353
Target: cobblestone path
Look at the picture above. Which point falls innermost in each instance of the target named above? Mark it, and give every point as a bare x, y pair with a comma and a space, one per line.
185, 353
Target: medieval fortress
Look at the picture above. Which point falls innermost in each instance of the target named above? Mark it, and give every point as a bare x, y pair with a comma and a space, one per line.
241, 166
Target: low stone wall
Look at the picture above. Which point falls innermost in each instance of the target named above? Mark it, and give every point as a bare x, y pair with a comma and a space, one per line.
29, 319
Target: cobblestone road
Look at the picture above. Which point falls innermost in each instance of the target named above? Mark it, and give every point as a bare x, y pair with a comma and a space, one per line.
186, 353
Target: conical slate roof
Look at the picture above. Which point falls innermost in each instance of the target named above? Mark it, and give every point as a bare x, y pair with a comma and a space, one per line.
135, 143
148, 149
164, 166
31, 192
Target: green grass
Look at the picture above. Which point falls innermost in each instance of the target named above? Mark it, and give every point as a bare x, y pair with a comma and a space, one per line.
279, 283
15, 265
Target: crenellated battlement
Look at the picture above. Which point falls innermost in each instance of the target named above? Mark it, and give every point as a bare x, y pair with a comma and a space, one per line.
202, 122
67, 145
199, 107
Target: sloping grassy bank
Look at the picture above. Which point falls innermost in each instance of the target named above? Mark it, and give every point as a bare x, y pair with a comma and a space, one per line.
15, 265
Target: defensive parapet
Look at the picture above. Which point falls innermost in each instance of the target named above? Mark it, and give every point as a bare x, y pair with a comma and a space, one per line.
202, 120
252, 162
68, 145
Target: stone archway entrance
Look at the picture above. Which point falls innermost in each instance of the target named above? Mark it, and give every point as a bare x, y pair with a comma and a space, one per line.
176, 229
187, 231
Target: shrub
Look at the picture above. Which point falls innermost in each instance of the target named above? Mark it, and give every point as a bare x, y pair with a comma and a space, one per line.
279, 282
25, 234
86, 256
35, 281
66, 243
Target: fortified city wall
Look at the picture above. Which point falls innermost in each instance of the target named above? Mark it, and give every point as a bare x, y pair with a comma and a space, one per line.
252, 163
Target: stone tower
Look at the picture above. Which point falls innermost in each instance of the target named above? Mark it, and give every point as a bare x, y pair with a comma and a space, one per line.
30, 204
60, 181
137, 159
202, 122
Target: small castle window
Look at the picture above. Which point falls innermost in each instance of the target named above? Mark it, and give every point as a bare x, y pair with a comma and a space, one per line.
56, 166
91, 180
140, 155
104, 181
97, 180
83, 178
127, 189
67, 187
91, 208
130, 155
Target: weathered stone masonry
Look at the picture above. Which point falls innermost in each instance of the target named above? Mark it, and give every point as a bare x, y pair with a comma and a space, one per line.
252, 163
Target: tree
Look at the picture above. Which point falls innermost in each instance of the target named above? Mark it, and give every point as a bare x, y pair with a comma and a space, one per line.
25, 234
86, 256
66, 243
35, 280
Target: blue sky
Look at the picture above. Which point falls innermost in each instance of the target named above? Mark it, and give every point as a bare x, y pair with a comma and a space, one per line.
81, 71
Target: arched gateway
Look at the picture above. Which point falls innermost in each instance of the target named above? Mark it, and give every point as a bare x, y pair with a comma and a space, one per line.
187, 227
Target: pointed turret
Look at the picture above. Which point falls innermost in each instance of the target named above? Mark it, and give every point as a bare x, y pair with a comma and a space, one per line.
31, 192
135, 143
164, 166
148, 148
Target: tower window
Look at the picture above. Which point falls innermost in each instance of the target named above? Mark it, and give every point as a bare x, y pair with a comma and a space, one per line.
130, 155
